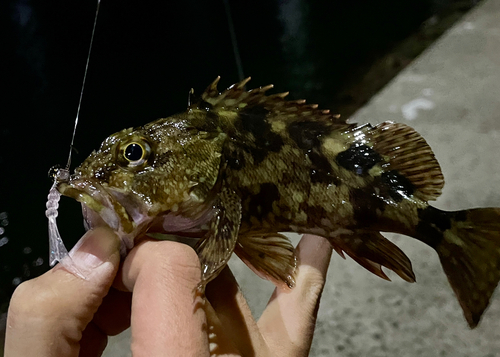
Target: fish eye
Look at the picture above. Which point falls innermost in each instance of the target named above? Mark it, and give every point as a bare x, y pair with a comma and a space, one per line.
133, 152
136, 153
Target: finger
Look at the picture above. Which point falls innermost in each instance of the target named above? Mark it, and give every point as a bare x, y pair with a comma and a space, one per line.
288, 322
219, 341
47, 315
93, 341
234, 320
113, 316
167, 313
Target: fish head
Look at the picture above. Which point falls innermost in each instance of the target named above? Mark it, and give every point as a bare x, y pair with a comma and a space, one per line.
139, 176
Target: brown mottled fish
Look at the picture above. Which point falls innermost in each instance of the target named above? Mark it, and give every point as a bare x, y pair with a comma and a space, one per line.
238, 167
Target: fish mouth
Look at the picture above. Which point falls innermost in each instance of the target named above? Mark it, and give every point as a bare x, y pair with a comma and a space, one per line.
128, 215
100, 207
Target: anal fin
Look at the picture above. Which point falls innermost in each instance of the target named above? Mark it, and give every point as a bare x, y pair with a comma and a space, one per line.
271, 256
372, 251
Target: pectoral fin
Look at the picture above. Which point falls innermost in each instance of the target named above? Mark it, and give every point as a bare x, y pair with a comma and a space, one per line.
271, 256
216, 247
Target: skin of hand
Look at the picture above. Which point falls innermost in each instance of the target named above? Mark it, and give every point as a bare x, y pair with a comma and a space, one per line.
154, 291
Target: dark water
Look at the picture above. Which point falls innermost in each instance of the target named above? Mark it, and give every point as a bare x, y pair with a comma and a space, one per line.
146, 57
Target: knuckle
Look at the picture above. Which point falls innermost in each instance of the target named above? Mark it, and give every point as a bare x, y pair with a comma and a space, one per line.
24, 297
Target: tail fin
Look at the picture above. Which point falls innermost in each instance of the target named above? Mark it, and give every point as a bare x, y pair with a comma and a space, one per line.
468, 245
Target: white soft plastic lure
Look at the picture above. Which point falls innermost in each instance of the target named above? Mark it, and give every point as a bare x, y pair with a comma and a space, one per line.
58, 251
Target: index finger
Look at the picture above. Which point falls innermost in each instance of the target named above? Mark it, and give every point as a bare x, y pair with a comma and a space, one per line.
289, 319
167, 314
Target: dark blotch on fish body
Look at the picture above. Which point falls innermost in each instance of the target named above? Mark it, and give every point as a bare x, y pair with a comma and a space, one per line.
308, 135
315, 214
253, 120
261, 204
367, 205
236, 163
359, 158
432, 224
321, 169
235, 159
399, 187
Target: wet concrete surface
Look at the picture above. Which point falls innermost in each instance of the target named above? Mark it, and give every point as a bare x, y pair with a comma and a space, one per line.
449, 95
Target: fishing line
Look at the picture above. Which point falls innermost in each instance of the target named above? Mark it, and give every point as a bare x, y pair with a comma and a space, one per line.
58, 251
234, 41
83, 85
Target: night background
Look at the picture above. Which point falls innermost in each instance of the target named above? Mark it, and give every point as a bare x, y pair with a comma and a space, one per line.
146, 56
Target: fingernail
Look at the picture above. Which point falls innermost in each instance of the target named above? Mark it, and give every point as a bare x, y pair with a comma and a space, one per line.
95, 248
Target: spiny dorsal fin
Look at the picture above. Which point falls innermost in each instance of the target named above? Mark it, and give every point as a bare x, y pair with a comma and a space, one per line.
271, 256
236, 98
409, 154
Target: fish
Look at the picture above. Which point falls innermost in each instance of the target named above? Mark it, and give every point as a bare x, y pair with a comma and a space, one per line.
240, 167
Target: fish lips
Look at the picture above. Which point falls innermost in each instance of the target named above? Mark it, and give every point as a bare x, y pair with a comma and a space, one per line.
102, 206
130, 216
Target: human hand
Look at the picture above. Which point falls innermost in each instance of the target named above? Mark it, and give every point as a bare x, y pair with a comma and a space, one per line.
59, 314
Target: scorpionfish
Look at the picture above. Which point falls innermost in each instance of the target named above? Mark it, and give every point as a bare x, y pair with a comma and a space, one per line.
239, 166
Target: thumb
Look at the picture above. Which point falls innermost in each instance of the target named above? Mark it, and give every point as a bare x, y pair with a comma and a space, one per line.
48, 314
93, 253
